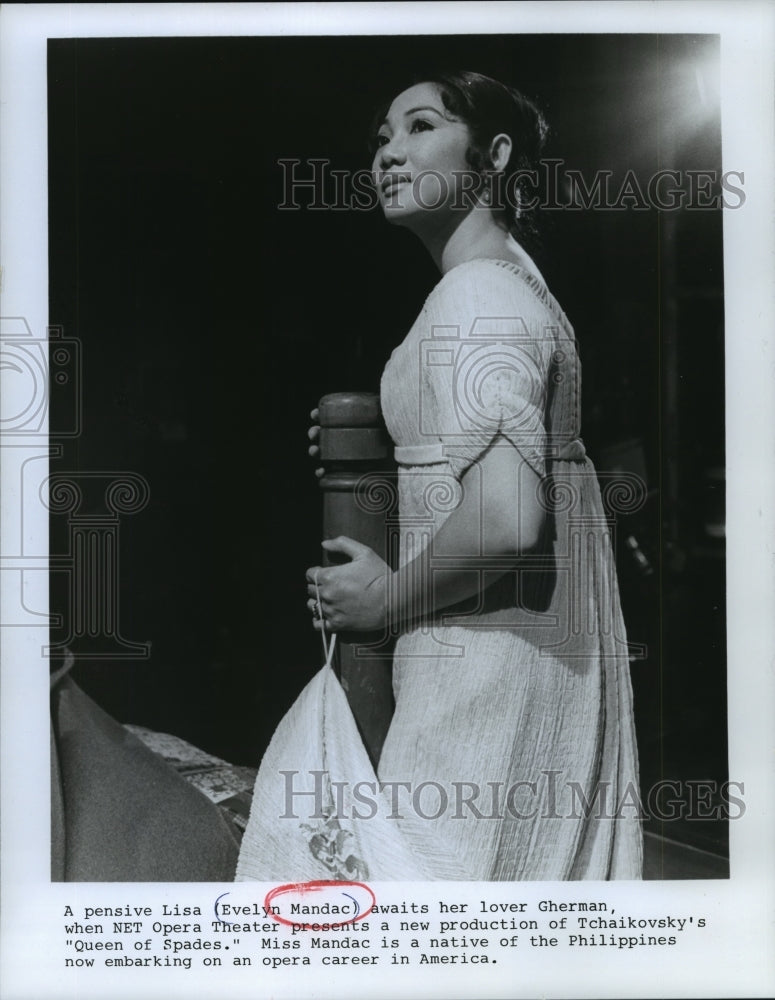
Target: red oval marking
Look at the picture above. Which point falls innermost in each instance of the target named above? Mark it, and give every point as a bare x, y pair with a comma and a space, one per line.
305, 887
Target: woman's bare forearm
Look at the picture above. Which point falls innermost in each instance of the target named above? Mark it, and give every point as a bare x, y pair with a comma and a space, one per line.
497, 520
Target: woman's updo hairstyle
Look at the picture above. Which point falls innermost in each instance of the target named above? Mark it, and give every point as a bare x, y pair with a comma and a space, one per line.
489, 108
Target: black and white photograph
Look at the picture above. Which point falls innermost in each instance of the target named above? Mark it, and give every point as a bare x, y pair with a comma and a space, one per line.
240, 242
380, 448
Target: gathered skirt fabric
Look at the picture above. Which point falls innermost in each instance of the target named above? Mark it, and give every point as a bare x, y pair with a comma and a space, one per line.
520, 733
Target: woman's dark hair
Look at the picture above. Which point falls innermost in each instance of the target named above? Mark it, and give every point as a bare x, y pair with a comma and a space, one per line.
489, 108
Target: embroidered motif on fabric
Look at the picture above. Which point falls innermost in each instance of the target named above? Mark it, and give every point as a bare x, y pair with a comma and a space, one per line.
331, 846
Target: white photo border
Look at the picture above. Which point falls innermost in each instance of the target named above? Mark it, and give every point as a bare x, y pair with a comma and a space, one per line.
734, 957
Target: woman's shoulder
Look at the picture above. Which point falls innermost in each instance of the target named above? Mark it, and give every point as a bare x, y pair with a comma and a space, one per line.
491, 287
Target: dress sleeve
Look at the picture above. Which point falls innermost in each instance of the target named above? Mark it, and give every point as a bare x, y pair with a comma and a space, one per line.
485, 366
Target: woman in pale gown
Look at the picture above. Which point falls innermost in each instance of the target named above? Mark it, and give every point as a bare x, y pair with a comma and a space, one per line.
513, 709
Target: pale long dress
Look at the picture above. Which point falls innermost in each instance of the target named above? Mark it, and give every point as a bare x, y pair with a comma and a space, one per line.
520, 710
533, 685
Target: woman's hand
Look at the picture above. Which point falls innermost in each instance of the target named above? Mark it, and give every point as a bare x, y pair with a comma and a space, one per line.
354, 596
314, 435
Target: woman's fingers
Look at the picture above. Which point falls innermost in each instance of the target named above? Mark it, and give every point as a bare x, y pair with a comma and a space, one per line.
314, 449
319, 621
313, 434
314, 575
347, 546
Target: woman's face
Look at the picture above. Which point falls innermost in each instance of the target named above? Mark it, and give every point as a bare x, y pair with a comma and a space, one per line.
420, 166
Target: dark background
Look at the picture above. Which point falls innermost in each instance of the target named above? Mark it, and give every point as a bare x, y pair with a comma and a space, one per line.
210, 323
